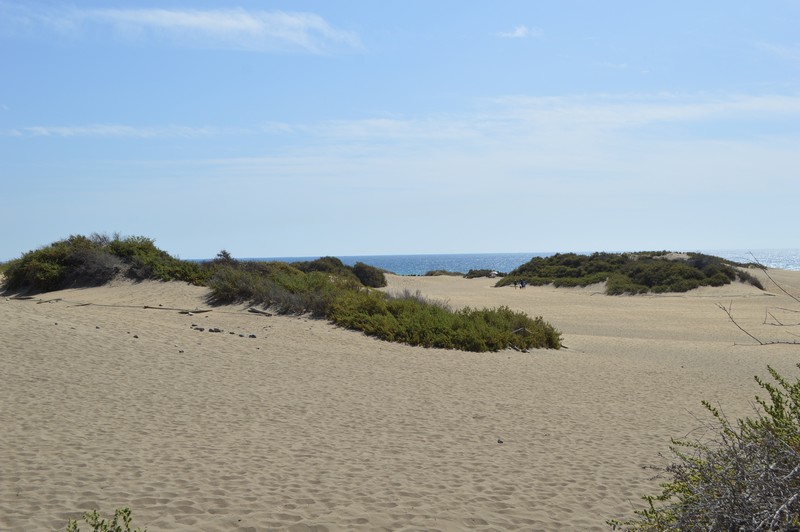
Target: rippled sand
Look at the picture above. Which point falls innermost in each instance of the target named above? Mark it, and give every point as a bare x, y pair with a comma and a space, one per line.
310, 427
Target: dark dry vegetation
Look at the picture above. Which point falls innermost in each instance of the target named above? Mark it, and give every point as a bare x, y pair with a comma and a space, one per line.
325, 288
472, 274
439, 273
631, 273
745, 477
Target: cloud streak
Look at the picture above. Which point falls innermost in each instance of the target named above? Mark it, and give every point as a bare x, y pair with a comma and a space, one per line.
111, 131
520, 32
634, 111
236, 29
498, 120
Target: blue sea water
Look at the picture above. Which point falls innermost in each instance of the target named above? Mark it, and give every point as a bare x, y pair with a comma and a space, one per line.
782, 259
786, 259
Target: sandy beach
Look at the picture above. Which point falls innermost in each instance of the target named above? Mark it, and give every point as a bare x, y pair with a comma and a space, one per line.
288, 423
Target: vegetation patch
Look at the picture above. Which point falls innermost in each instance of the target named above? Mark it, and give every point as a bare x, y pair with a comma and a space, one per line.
746, 477
405, 318
438, 273
80, 261
369, 275
474, 274
631, 273
412, 319
325, 288
120, 522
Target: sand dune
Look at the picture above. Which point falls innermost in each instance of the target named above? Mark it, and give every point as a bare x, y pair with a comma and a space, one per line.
105, 403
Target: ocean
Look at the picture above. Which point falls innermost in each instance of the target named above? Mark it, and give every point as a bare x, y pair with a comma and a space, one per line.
785, 259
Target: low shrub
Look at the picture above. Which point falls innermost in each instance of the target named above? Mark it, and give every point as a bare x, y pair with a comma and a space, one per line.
631, 273
437, 273
281, 286
406, 318
474, 274
80, 261
414, 320
324, 288
75, 261
746, 478
146, 261
121, 522
369, 275
363, 273
619, 284
330, 265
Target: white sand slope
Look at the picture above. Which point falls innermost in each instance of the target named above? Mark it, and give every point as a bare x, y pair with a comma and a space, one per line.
310, 427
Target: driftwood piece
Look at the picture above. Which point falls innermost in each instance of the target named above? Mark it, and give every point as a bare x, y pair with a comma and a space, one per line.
259, 311
180, 310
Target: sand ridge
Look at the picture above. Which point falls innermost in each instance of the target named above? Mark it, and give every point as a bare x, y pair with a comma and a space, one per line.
311, 427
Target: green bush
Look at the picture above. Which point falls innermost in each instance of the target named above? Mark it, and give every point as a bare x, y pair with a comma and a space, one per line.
324, 288
363, 273
80, 261
474, 274
437, 273
407, 318
414, 320
76, 261
746, 478
281, 286
631, 273
330, 265
369, 275
146, 261
121, 522
619, 284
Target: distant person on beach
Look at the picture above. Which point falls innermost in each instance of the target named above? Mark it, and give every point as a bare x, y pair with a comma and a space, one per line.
515, 285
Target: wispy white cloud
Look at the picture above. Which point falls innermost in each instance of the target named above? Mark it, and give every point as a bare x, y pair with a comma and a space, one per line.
522, 160
520, 32
496, 120
111, 131
631, 111
612, 66
239, 29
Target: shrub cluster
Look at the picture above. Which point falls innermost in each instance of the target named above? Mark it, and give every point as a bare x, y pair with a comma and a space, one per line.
369, 275
325, 288
629, 273
363, 273
80, 261
281, 286
474, 274
406, 318
415, 320
747, 478
437, 273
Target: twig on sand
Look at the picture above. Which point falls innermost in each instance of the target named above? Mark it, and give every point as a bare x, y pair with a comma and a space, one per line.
180, 310
259, 311
727, 310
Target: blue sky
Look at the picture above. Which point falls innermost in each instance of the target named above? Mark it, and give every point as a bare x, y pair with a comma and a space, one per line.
302, 128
